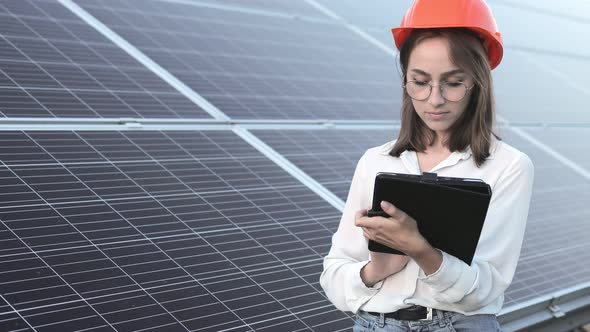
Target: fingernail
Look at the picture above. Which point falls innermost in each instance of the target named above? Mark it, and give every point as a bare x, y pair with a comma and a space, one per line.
385, 205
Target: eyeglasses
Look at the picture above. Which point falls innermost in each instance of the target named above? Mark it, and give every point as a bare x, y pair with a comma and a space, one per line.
451, 91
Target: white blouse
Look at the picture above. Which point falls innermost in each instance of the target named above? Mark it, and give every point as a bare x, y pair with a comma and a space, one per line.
455, 286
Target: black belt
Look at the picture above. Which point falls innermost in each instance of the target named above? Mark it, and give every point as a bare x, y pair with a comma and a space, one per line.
414, 312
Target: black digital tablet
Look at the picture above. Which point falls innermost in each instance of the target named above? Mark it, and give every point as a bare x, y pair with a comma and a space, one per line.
450, 211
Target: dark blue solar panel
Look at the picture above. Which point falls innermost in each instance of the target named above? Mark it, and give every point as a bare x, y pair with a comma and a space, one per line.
196, 230
299, 8
255, 66
376, 19
159, 230
52, 64
567, 141
328, 156
556, 232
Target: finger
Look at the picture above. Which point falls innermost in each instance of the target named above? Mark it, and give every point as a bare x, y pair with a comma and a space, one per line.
360, 213
358, 218
391, 210
365, 234
362, 222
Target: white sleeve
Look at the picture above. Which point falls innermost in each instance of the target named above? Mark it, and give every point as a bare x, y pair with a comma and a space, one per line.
469, 288
341, 278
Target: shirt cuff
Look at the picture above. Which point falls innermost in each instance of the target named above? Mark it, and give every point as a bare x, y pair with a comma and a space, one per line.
448, 273
358, 293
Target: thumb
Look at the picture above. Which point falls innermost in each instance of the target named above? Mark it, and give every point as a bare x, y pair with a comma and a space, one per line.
390, 209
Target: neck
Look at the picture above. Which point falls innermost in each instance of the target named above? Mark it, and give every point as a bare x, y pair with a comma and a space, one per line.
438, 145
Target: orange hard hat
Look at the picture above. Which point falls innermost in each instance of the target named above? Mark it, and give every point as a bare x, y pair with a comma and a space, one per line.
472, 14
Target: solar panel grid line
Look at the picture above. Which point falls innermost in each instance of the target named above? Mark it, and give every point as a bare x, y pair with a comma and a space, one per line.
296, 312
537, 241
240, 162
585, 286
237, 226
274, 318
49, 75
316, 160
179, 235
310, 148
14, 323
15, 312
133, 293
51, 305
84, 42
25, 92
145, 60
290, 168
26, 54
81, 298
106, 60
64, 321
132, 278
354, 28
258, 11
575, 167
544, 11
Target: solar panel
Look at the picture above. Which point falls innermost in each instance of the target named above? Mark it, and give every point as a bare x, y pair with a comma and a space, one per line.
555, 97
54, 65
159, 230
538, 14
197, 230
299, 8
329, 156
376, 19
581, 12
259, 66
568, 141
556, 231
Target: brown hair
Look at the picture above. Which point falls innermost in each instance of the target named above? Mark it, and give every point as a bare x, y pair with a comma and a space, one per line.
474, 127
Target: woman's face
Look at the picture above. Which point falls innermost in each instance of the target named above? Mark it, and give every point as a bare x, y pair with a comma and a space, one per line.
430, 62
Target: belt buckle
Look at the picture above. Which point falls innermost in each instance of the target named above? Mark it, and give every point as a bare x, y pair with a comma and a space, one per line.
428, 314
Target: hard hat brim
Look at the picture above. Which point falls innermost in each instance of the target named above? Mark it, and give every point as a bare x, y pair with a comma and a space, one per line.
492, 43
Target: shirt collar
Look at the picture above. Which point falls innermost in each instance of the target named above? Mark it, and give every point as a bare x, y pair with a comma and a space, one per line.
463, 155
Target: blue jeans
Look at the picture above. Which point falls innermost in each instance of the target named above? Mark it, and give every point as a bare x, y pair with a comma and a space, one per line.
442, 321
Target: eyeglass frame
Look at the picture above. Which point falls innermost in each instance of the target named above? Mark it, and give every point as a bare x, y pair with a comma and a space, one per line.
440, 88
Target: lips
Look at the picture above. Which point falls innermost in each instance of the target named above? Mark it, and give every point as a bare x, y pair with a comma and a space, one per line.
437, 115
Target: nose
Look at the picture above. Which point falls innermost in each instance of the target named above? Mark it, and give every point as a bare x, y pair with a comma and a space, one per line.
436, 98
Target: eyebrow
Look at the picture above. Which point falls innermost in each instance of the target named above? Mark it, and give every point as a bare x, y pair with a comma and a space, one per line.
445, 74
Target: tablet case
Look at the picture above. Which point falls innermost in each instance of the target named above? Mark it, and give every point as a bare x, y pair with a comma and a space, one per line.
450, 212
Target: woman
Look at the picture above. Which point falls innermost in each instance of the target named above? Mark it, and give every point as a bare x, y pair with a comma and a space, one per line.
447, 51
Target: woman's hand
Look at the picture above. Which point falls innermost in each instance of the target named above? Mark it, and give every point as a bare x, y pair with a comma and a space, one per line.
381, 265
399, 231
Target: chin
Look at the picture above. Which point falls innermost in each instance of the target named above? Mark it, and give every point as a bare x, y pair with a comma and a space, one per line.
438, 127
